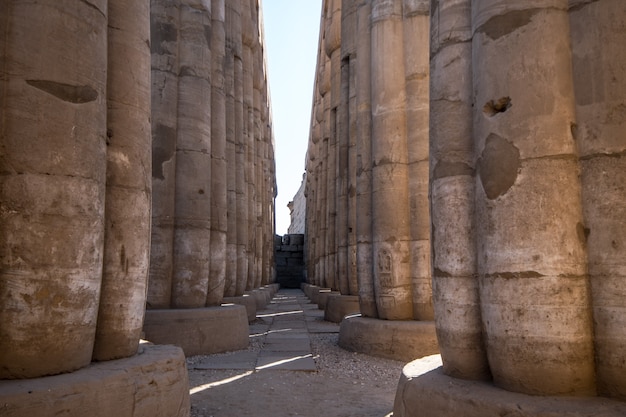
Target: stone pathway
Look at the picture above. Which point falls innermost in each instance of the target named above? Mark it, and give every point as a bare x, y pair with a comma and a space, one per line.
293, 367
283, 329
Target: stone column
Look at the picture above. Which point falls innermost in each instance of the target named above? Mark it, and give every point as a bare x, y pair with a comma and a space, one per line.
342, 132
164, 26
390, 206
259, 180
128, 185
367, 299
534, 293
599, 85
230, 289
319, 191
416, 65
241, 190
332, 46
219, 206
52, 189
350, 13
192, 237
325, 273
247, 37
455, 283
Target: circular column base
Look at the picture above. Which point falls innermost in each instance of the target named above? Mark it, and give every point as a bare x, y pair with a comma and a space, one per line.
424, 391
392, 339
152, 383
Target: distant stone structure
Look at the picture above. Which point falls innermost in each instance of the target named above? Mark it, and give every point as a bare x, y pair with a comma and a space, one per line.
137, 162
289, 255
297, 210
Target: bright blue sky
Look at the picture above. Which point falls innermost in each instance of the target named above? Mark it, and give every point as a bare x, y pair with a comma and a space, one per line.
291, 36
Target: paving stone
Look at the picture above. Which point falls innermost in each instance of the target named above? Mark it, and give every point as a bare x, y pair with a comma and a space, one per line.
287, 345
292, 361
236, 360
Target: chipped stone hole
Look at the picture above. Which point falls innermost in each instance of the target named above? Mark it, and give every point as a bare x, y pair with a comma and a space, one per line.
493, 107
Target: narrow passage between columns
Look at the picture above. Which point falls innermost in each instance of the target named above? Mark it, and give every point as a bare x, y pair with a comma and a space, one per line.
292, 367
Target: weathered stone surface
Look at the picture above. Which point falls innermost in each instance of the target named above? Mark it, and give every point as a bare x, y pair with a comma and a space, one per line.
151, 383
393, 339
246, 300
128, 186
599, 79
339, 306
425, 391
52, 186
199, 331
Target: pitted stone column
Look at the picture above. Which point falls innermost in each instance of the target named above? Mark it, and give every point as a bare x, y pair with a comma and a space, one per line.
192, 237
599, 85
345, 271
51, 197
259, 180
128, 199
390, 205
219, 206
332, 46
416, 58
241, 190
534, 292
327, 277
350, 13
247, 36
367, 298
164, 26
230, 289
455, 283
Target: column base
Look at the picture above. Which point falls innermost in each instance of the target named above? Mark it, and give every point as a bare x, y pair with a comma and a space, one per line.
199, 331
322, 298
424, 391
153, 383
391, 339
245, 300
338, 306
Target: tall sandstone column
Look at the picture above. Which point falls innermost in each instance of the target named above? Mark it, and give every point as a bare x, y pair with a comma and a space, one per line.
52, 187
128, 185
342, 122
259, 179
241, 190
534, 293
452, 183
192, 237
351, 21
164, 26
230, 289
332, 46
327, 276
390, 206
219, 207
365, 275
416, 66
247, 36
598, 41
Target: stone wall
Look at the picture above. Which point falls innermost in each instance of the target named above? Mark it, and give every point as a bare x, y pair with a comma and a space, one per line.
289, 255
297, 209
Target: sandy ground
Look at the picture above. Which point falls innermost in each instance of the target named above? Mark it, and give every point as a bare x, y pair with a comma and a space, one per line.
346, 384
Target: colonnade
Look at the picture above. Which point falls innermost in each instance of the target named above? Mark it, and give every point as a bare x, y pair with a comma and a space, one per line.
137, 169
213, 154
367, 167
456, 145
75, 185
524, 174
